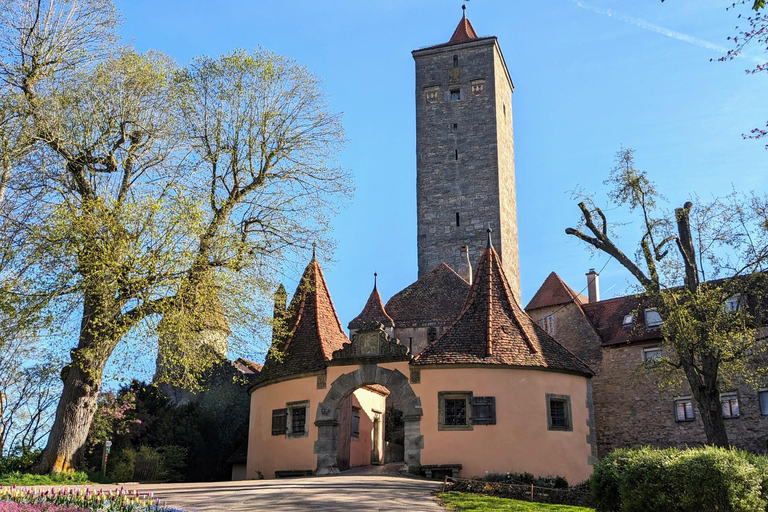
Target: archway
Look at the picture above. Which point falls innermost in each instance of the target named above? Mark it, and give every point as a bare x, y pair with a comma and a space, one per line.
327, 419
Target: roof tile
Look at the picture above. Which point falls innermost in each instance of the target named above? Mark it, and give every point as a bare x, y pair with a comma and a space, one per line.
554, 292
435, 298
372, 312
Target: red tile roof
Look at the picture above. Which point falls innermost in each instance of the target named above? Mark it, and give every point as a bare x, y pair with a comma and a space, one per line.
554, 292
246, 366
372, 312
492, 329
464, 32
607, 317
436, 298
313, 329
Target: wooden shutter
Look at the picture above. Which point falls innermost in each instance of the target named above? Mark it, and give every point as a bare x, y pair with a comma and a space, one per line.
355, 428
279, 417
484, 410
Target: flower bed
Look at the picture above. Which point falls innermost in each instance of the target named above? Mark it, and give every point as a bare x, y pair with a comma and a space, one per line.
29, 499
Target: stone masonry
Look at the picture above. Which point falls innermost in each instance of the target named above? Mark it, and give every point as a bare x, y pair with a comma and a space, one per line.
465, 155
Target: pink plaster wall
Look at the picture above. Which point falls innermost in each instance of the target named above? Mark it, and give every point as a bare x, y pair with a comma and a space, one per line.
360, 451
520, 440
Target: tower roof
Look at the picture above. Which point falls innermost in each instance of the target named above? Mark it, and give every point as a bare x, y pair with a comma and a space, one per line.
372, 312
554, 292
464, 32
435, 298
311, 329
492, 329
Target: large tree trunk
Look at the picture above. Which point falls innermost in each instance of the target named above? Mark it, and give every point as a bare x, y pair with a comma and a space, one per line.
74, 414
707, 395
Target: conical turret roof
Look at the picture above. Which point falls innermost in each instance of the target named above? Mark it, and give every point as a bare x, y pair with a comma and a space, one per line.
464, 32
311, 329
493, 329
372, 312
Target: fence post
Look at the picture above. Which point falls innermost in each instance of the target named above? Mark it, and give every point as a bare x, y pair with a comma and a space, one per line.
531, 492
445, 481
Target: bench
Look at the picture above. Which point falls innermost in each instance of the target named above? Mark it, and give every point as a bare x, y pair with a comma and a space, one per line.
439, 471
292, 473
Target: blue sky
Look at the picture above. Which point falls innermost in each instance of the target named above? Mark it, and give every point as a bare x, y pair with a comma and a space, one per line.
590, 76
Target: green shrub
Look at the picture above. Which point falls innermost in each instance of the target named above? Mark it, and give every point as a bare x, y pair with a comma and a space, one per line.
692, 480
20, 459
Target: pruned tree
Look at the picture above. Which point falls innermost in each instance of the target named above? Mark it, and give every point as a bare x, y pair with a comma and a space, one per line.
691, 264
153, 191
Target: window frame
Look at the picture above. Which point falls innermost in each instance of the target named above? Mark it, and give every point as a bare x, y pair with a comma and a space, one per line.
730, 301
684, 400
548, 324
761, 392
355, 435
656, 349
566, 401
455, 94
655, 324
628, 320
442, 396
730, 397
294, 406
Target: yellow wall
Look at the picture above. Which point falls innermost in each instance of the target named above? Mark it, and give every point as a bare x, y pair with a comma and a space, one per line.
519, 441
360, 451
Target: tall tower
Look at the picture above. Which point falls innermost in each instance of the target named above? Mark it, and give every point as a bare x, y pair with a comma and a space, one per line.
465, 178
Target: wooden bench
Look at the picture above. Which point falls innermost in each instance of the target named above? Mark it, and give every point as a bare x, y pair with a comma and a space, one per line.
292, 473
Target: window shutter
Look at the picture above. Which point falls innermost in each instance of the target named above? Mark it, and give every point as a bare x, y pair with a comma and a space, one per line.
355, 427
484, 410
279, 421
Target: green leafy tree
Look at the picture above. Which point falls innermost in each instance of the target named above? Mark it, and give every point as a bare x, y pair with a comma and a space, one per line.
149, 191
690, 264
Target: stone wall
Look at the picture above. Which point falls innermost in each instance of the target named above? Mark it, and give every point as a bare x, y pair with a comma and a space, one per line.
573, 331
465, 156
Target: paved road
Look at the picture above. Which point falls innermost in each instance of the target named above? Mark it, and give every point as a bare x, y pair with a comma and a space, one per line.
346, 492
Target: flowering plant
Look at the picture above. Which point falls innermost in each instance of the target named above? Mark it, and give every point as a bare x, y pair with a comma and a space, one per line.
65, 499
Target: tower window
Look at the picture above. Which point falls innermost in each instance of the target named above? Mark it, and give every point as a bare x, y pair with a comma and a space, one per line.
456, 154
455, 126
455, 61
455, 94
457, 219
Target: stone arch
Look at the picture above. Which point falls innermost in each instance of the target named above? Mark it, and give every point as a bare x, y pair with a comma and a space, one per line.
327, 419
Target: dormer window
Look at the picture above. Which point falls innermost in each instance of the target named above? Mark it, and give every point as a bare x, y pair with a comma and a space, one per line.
628, 320
733, 303
652, 318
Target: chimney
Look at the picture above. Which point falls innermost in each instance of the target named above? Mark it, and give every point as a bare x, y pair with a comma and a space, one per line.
465, 267
593, 283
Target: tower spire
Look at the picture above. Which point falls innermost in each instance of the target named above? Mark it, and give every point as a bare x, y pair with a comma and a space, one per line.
463, 10
375, 275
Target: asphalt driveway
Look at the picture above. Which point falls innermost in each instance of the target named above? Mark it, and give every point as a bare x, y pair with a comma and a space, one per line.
348, 493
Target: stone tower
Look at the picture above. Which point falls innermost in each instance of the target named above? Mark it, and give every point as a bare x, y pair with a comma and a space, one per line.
465, 153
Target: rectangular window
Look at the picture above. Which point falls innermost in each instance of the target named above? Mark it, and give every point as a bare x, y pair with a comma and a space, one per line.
730, 404
483, 410
684, 409
652, 318
559, 412
457, 219
455, 94
454, 410
651, 353
355, 427
298, 412
733, 303
762, 395
278, 421
628, 320
548, 324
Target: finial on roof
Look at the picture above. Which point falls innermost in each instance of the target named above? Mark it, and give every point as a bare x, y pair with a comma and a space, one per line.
463, 10
374, 279
490, 244
314, 251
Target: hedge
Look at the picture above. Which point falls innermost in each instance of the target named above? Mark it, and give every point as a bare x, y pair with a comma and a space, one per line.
674, 480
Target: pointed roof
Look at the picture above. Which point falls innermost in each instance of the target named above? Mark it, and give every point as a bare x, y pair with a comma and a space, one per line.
372, 312
492, 329
435, 298
554, 292
311, 326
464, 32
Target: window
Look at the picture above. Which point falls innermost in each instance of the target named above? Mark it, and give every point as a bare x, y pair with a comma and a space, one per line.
431, 334
454, 410
733, 303
483, 410
730, 404
298, 412
684, 409
559, 412
762, 396
652, 318
455, 126
628, 320
355, 426
457, 219
455, 61
455, 94
651, 353
456, 154
548, 324
278, 421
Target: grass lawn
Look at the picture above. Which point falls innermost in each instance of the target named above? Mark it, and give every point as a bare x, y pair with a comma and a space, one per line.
16, 478
467, 501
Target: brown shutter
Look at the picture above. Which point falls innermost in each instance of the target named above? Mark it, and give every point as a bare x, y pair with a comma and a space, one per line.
279, 421
483, 410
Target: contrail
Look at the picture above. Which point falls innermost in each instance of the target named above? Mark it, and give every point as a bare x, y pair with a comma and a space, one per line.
638, 22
